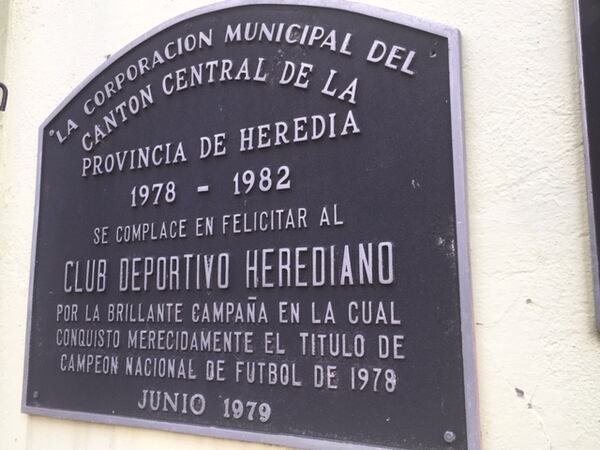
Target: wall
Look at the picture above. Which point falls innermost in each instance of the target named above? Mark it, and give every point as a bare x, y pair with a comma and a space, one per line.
537, 347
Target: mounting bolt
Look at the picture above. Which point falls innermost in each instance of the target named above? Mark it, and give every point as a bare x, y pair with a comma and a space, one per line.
449, 437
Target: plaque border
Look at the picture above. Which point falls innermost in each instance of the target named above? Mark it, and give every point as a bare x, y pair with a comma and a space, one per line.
462, 234
588, 168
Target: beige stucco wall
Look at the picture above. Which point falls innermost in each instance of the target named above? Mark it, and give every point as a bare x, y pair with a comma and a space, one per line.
532, 283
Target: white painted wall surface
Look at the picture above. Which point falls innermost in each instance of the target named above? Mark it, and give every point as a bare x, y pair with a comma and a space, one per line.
531, 263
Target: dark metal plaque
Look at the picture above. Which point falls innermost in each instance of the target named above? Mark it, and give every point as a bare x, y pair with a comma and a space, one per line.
251, 224
588, 15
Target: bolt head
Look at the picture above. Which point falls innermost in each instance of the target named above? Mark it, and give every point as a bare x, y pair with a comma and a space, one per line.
449, 437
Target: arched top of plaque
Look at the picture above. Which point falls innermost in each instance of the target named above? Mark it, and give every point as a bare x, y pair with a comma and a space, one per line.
298, 165
451, 33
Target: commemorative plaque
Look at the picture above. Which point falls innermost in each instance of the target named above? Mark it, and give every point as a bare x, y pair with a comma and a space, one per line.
588, 16
251, 224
